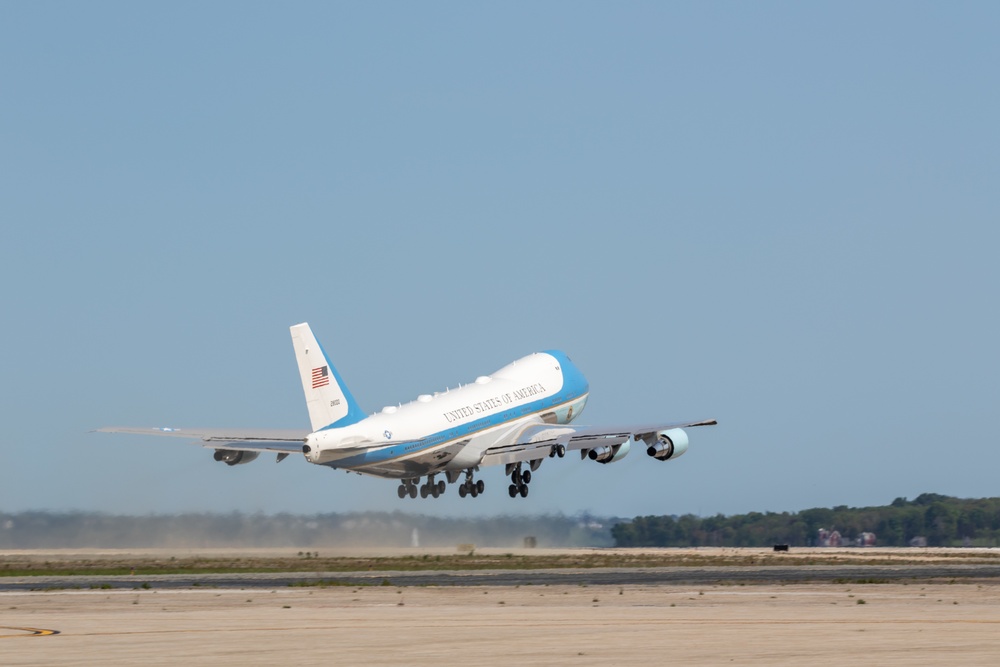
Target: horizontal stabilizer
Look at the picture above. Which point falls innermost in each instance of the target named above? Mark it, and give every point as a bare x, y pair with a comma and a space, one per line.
249, 440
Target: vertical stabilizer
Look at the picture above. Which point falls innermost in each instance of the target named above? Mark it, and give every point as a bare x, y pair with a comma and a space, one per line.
329, 401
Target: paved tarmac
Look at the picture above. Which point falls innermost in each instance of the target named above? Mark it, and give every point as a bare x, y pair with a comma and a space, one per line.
905, 623
508, 578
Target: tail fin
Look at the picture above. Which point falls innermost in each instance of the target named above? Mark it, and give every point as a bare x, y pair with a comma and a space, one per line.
329, 401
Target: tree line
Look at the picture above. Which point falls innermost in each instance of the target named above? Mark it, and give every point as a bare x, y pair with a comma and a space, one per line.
939, 520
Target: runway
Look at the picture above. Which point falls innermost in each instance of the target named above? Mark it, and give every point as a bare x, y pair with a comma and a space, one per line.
890, 606
899, 623
625, 576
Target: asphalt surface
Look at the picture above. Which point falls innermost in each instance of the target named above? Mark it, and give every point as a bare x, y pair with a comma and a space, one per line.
546, 577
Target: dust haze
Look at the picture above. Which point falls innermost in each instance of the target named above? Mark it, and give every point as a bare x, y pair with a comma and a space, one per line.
52, 530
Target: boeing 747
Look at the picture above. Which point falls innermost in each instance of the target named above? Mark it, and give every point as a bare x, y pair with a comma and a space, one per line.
516, 417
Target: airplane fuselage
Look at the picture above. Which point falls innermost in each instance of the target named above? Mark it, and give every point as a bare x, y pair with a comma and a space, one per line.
450, 431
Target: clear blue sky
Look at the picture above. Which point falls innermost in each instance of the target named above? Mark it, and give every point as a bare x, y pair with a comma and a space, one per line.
781, 215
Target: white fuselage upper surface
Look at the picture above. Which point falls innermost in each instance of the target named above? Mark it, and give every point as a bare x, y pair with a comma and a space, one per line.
451, 430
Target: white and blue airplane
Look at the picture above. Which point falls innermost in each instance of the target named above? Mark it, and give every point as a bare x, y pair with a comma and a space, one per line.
516, 417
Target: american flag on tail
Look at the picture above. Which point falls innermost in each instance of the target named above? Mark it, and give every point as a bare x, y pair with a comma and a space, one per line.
321, 377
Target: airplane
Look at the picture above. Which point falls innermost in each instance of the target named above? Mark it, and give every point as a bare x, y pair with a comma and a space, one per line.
516, 417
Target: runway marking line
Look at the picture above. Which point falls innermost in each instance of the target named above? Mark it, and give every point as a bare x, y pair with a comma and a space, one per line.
27, 632
971, 621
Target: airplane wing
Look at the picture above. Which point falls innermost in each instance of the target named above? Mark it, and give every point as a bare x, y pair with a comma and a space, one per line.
246, 440
536, 441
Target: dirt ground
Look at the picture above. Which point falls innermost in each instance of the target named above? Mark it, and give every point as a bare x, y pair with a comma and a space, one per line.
919, 623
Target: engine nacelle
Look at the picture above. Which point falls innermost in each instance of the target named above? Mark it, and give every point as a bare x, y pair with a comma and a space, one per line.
668, 444
610, 454
232, 457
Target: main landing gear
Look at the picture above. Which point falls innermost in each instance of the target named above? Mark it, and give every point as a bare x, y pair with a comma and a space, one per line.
436, 489
470, 487
519, 482
408, 487
519, 478
432, 488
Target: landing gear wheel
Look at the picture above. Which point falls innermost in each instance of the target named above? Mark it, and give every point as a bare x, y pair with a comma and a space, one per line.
523, 489
512, 490
515, 477
480, 487
413, 490
560, 450
474, 491
526, 477
463, 491
440, 487
401, 491
423, 490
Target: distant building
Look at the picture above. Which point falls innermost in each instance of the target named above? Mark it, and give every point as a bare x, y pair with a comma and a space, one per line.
865, 540
827, 538
833, 538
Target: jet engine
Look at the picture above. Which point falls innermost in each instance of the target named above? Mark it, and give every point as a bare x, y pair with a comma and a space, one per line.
610, 454
668, 444
232, 457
